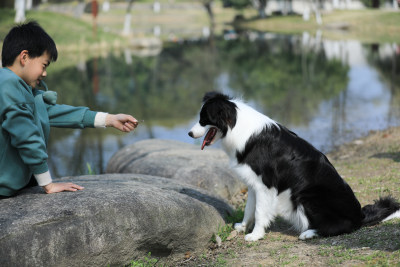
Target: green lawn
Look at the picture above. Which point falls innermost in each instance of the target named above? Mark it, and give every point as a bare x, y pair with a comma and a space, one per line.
372, 26
64, 29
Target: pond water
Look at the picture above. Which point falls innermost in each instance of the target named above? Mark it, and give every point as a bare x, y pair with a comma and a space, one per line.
328, 92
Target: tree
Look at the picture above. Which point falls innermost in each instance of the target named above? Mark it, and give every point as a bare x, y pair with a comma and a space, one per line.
208, 6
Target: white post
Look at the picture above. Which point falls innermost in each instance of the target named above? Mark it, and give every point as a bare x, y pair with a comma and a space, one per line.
20, 8
127, 24
28, 4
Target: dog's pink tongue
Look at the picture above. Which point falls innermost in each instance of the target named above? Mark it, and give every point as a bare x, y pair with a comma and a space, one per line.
208, 138
204, 144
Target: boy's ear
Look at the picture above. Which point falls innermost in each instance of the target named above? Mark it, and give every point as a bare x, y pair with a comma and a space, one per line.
23, 57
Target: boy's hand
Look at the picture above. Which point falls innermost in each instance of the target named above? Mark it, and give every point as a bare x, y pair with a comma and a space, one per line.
122, 122
59, 187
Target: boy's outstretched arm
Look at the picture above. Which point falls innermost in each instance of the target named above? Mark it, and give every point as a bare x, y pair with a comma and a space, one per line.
122, 122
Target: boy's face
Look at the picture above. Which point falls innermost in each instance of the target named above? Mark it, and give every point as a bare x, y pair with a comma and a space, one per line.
34, 69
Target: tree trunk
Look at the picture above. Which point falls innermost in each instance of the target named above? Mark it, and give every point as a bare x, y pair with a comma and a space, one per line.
210, 13
261, 8
375, 3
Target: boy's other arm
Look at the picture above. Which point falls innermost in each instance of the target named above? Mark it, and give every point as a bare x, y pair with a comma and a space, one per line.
44, 180
60, 187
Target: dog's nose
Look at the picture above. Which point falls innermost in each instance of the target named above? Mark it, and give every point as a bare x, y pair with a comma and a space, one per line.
190, 134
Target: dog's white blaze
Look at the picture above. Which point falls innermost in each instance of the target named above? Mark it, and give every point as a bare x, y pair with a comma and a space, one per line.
198, 130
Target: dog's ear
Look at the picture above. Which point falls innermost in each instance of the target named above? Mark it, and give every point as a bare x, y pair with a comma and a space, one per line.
211, 95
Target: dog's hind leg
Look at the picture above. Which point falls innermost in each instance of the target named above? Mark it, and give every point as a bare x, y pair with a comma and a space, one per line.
249, 211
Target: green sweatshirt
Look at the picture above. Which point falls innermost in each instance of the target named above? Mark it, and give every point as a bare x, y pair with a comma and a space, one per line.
26, 115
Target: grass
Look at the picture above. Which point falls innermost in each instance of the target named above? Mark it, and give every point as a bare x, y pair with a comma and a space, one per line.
147, 261
369, 26
74, 37
65, 30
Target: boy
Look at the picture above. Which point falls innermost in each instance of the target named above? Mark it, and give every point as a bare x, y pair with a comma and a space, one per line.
26, 113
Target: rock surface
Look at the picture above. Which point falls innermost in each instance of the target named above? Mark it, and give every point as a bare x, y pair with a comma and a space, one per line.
208, 169
116, 218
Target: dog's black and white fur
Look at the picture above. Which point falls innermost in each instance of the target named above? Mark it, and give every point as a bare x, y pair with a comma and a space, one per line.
286, 176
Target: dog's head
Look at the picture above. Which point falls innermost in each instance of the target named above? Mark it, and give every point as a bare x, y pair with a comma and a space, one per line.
217, 117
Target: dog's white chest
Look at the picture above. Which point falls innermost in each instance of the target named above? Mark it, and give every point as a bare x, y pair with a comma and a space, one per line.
247, 175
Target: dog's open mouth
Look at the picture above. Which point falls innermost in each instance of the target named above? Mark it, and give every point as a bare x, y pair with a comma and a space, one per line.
209, 137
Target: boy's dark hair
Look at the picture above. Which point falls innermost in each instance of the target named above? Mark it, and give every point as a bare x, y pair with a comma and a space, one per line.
29, 36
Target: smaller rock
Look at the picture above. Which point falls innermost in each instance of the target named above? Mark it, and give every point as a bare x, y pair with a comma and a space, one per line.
218, 240
232, 235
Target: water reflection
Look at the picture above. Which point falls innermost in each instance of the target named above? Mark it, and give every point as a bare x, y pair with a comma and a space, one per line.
329, 92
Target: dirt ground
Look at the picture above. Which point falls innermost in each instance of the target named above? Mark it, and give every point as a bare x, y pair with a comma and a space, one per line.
371, 166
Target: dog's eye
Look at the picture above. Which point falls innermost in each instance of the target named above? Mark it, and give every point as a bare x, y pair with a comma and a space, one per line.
204, 122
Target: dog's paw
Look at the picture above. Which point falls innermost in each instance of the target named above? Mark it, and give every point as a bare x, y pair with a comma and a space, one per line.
311, 233
240, 227
253, 237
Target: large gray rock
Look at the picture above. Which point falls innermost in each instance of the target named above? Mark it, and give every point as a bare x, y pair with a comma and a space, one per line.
116, 218
208, 168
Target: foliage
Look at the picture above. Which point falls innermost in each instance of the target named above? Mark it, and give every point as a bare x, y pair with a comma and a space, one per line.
89, 168
236, 216
147, 261
225, 230
369, 3
237, 4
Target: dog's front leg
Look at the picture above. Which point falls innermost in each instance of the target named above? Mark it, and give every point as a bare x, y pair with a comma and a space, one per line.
249, 210
265, 212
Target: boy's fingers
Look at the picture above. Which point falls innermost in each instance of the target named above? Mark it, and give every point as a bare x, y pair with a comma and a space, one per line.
78, 187
132, 119
74, 187
130, 125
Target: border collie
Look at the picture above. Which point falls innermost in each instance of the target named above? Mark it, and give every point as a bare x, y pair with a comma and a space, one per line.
286, 176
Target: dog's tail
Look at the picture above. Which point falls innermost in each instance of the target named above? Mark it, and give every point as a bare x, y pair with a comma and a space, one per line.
384, 209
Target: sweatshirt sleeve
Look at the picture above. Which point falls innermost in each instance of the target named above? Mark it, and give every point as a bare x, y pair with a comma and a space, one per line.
25, 136
65, 116
43, 178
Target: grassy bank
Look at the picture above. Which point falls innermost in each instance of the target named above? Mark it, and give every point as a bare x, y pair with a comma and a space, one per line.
65, 30
370, 26
72, 36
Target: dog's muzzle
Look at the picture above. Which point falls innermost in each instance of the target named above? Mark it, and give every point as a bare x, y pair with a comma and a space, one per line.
197, 131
